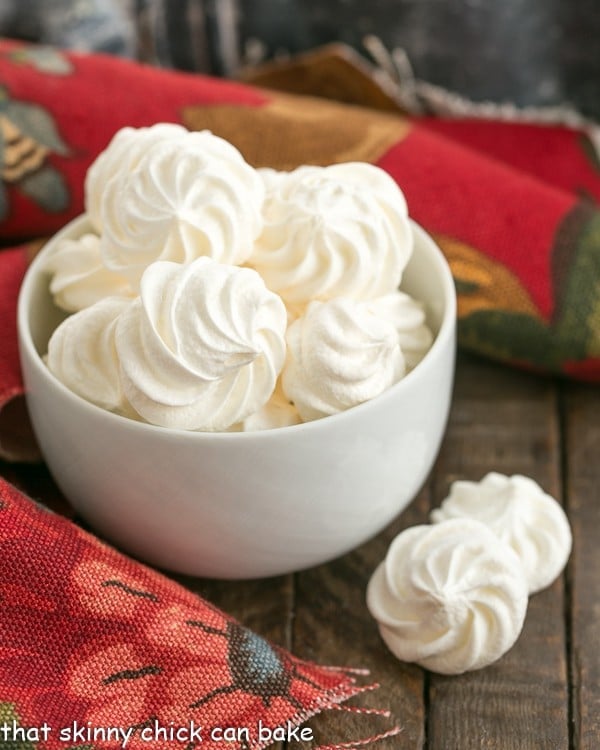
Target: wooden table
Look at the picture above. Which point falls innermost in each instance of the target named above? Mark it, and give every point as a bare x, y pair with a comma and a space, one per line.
545, 693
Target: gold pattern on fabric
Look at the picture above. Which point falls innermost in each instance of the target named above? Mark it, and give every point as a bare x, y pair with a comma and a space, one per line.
483, 283
289, 131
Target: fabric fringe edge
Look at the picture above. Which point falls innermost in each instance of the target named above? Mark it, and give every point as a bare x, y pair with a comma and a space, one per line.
332, 700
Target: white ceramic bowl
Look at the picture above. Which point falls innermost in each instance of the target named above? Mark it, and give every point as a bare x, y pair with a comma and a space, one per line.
243, 505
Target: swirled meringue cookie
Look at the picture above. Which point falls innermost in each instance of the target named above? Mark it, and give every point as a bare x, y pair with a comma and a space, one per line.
408, 317
203, 345
334, 231
451, 597
272, 178
187, 197
277, 412
82, 354
79, 279
339, 355
520, 513
120, 157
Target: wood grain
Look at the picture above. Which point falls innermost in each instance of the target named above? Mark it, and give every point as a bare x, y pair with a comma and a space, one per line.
501, 420
508, 422
582, 420
332, 626
265, 606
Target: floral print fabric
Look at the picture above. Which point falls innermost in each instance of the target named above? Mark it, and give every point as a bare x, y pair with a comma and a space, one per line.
91, 640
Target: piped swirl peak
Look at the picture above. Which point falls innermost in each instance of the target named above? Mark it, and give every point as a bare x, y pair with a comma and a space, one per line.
79, 278
202, 346
188, 196
520, 513
451, 597
340, 354
334, 231
122, 155
82, 353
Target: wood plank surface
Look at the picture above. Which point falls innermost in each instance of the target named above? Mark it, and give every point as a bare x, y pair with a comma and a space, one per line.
582, 421
545, 693
505, 421
333, 626
501, 420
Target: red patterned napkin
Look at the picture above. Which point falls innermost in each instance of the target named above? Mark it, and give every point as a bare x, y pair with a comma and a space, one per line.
100, 652
87, 635
16, 441
513, 206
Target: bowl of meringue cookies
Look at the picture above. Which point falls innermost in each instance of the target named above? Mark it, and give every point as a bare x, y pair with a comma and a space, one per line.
237, 372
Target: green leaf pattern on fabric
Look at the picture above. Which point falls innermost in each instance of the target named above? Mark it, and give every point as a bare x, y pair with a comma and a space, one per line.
574, 333
10, 718
512, 337
28, 134
589, 150
465, 287
45, 59
34, 121
46, 187
579, 317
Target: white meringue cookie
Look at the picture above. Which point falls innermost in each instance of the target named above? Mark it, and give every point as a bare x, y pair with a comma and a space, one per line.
339, 355
277, 412
451, 597
408, 317
120, 157
187, 197
334, 231
82, 354
520, 513
203, 345
79, 279
272, 178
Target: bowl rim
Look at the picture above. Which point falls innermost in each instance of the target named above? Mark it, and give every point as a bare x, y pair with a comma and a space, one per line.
444, 337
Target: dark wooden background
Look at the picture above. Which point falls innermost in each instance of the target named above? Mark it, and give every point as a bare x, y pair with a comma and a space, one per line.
545, 693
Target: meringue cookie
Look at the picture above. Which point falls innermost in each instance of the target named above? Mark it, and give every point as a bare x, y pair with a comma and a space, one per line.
187, 197
277, 412
203, 345
334, 231
272, 178
79, 279
408, 317
520, 513
451, 597
120, 157
82, 354
339, 355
